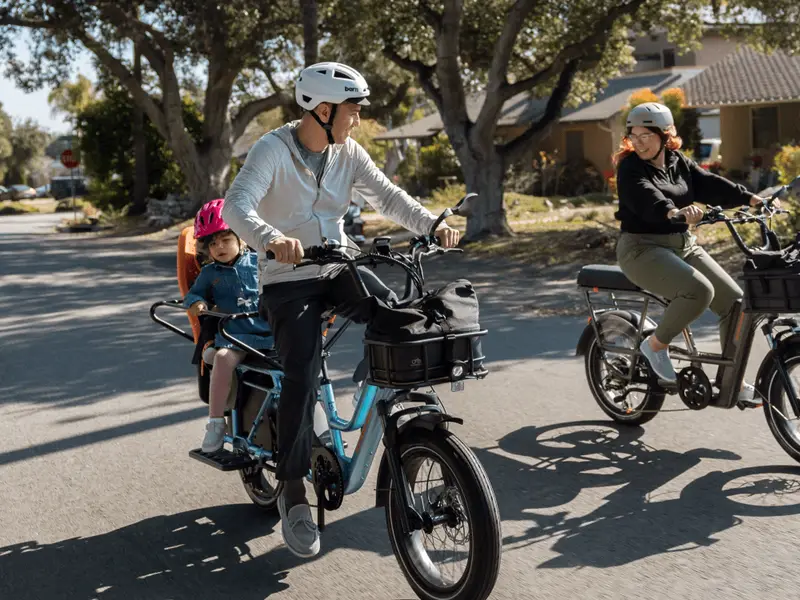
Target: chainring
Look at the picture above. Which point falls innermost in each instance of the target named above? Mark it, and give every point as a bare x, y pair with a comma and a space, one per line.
694, 388
327, 477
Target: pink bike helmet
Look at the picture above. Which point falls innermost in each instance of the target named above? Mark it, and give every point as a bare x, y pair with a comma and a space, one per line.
209, 219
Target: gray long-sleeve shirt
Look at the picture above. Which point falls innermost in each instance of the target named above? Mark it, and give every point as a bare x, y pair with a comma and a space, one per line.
275, 194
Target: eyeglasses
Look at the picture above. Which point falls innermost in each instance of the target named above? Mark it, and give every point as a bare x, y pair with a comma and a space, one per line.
643, 138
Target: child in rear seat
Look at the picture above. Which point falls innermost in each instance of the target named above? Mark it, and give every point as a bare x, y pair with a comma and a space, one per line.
229, 283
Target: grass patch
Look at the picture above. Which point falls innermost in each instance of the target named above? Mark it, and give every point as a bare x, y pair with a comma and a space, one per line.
555, 243
14, 207
81, 204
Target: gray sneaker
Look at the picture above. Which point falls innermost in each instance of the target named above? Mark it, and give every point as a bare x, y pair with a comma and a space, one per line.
298, 529
214, 438
748, 397
659, 361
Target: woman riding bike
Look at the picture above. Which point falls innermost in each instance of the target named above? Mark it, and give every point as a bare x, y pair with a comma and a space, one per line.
656, 182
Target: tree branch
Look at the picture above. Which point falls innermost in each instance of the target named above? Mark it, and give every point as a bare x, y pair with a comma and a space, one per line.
423, 72
271, 78
448, 68
493, 100
432, 17
126, 78
29, 23
513, 149
574, 51
138, 32
252, 109
397, 98
116, 12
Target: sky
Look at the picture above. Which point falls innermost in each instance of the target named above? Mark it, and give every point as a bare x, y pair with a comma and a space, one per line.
19, 105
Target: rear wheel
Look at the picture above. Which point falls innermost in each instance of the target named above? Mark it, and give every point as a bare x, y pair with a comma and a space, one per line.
782, 421
627, 403
458, 557
262, 487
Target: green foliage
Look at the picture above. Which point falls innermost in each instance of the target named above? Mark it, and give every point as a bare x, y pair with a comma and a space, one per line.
72, 98
27, 141
429, 167
787, 164
448, 195
108, 155
365, 133
5, 142
16, 208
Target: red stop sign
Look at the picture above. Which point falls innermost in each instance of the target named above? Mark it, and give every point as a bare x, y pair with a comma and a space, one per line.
68, 159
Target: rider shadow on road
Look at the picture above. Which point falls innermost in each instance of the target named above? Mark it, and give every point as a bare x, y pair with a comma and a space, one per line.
194, 555
637, 519
197, 554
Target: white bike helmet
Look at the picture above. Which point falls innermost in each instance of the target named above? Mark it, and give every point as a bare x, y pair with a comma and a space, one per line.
330, 82
650, 114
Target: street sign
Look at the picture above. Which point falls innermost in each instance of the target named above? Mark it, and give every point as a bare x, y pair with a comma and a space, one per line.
68, 159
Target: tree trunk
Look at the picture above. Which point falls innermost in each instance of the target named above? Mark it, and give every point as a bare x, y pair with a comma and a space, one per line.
207, 173
487, 212
140, 183
308, 9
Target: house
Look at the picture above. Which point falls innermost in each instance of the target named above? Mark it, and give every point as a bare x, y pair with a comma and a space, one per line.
758, 97
592, 131
653, 51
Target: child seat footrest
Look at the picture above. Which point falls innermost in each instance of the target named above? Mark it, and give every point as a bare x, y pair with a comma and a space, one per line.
224, 460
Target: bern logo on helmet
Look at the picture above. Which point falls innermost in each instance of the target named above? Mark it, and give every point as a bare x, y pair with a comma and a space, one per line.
350, 89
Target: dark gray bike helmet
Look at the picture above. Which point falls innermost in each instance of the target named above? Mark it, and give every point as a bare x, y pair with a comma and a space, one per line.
650, 114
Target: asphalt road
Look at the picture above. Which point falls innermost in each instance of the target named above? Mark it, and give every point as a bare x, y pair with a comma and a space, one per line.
98, 498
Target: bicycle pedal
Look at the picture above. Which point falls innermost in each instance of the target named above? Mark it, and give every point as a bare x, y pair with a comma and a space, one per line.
746, 405
224, 460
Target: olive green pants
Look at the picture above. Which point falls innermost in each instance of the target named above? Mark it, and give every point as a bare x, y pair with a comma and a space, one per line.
673, 266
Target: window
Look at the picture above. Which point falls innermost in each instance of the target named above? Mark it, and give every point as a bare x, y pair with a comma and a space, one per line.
765, 127
668, 56
574, 143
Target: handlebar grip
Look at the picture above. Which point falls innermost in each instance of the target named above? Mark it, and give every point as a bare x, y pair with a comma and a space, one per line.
309, 252
676, 219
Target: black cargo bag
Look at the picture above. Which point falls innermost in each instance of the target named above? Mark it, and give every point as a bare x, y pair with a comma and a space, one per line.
435, 339
772, 281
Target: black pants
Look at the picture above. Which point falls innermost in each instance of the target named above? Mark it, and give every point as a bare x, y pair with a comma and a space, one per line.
294, 311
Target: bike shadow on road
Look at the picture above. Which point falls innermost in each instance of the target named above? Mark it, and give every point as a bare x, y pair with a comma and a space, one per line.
203, 553
535, 470
194, 555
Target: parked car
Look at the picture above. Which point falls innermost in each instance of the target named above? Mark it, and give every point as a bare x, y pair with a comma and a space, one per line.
61, 187
708, 151
354, 224
5, 193
20, 191
43, 191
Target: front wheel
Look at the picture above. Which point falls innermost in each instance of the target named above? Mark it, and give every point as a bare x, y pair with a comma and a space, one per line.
781, 419
459, 558
626, 403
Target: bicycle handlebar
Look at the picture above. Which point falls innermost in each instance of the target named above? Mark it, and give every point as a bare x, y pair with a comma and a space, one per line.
332, 252
769, 239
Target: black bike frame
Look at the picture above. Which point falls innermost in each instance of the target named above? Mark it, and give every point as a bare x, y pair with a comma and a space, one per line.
731, 364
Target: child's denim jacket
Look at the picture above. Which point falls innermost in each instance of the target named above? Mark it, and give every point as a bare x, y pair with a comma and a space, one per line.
233, 289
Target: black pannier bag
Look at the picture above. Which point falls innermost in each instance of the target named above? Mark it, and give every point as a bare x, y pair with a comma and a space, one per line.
435, 339
772, 281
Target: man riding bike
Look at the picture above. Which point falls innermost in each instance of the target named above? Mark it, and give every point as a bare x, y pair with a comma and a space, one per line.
656, 182
291, 193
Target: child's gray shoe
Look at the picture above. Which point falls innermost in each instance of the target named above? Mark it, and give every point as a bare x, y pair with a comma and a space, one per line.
215, 436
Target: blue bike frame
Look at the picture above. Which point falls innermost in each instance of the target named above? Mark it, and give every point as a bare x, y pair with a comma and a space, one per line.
355, 468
